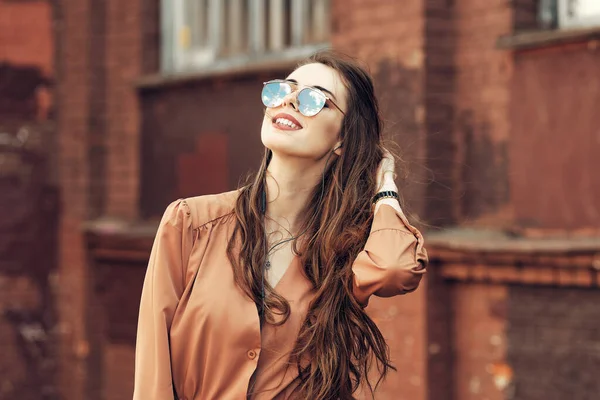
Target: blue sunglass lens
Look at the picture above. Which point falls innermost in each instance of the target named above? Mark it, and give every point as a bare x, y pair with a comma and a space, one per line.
310, 102
273, 93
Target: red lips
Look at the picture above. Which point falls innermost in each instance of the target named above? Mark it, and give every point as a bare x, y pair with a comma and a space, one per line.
288, 117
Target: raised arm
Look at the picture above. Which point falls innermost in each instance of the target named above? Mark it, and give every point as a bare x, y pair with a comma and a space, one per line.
394, 259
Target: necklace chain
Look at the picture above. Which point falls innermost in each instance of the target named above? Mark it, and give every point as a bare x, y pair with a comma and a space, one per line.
273, 247
277, 244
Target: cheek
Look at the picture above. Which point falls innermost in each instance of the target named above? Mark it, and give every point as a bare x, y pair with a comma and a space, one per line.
326, 130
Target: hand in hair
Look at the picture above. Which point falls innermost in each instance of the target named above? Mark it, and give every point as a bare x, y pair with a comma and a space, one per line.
386, 173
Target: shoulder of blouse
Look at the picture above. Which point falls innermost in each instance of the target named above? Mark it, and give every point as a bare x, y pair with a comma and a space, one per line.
209, 208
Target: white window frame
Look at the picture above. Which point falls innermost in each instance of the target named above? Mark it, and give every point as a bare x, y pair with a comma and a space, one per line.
578, 13
245, 46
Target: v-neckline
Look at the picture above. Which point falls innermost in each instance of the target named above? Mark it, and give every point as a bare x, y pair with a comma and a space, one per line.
285, 273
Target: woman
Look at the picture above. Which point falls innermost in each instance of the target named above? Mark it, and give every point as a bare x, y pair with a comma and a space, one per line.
259, 293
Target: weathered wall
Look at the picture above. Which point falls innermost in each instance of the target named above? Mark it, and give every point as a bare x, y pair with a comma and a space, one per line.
479, 149
482, 125
200, 138
478, 340
522, 324
27, 41
554, 339
554, 138
99, 54
388, 37
28, 305
114, 302
439, 87
28, 204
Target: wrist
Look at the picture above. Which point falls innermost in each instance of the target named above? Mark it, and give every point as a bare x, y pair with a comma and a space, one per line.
388, 185
385, 195
389, 174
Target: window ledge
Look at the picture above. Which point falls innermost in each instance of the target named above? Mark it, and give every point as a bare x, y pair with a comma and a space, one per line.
472, 255
246, 65
546, 38
115, 240
491, 241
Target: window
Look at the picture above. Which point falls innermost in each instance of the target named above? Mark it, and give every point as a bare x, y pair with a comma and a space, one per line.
201, 34
578, 13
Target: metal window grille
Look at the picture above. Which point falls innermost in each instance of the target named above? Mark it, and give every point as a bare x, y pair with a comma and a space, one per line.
201, 33
578, 13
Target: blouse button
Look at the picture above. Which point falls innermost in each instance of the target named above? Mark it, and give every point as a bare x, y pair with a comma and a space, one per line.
252, 354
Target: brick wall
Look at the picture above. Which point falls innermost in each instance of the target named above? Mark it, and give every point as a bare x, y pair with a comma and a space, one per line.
28, 203
558, 146
519, 325
73, 94
123, 67
445, 94
402, 322
117, 291
26, 60
27, 41
482, 119
388, 37
98, 58
554, 339
206, 125
525, 15
440, 77
97, 109
479, 341
28, 312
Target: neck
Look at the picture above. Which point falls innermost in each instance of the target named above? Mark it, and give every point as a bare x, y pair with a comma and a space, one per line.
290, 183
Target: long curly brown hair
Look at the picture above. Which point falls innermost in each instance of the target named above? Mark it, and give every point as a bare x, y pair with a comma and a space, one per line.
338, 342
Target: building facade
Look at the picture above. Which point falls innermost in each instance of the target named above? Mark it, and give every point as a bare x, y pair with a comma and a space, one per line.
493, 106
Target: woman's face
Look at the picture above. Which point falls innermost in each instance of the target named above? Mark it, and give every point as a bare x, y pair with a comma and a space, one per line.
309, 137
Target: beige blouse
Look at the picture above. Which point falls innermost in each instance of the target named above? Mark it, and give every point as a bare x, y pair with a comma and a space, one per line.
199, 335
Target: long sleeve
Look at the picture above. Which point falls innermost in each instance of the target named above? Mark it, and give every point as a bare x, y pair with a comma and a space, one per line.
393, 260
163, 286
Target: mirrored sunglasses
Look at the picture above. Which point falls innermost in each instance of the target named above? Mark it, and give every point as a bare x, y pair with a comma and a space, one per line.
310, 101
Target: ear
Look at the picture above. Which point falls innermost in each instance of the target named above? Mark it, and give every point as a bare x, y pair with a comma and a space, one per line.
337, 149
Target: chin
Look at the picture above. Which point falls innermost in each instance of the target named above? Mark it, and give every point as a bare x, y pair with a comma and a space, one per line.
279, 141
287, 143
276, 146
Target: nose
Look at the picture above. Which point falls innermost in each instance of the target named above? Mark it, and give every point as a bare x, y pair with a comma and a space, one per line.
291, 100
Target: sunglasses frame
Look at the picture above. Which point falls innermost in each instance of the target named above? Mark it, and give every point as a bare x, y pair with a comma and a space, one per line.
293, 84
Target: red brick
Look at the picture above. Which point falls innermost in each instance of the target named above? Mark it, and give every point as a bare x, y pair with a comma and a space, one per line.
575, 277
480, 340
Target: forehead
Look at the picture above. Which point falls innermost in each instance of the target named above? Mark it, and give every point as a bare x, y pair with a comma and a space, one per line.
320, 75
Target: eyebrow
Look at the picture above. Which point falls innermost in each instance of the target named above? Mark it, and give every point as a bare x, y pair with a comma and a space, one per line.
317, 87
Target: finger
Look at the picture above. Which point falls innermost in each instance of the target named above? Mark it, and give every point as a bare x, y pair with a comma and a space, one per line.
387, 155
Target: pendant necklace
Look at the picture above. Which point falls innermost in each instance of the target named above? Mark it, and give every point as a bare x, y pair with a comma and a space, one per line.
267, 267
268, 252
